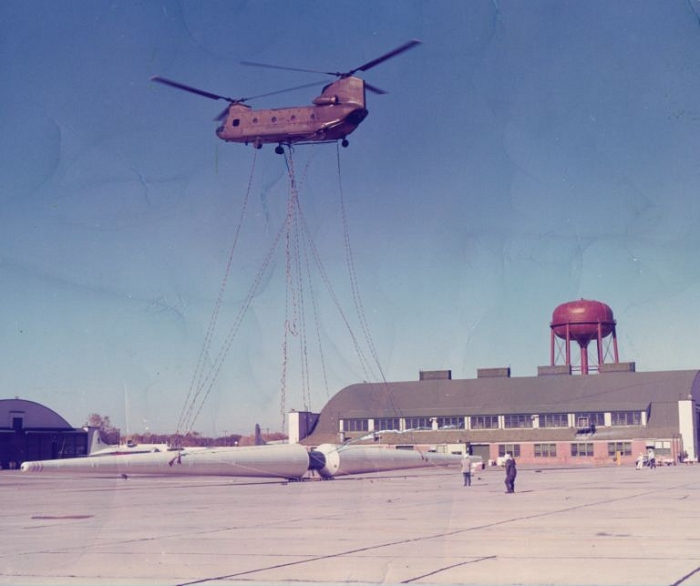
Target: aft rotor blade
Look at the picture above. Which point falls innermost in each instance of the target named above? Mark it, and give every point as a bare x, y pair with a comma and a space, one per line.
365, 67
374, 89
289, 89
389, 55
282, 67
193, 90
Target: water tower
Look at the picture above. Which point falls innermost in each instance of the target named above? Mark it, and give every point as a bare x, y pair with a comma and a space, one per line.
581, 322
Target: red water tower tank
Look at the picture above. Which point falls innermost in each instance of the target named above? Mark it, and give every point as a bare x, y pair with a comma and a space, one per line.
580, 322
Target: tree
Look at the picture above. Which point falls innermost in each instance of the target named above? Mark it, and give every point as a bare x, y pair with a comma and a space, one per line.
108, 433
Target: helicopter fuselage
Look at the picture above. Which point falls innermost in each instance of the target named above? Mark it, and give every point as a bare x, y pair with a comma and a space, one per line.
334, 114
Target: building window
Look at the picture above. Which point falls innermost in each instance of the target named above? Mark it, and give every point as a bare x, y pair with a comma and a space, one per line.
661, 448
355, 425
584, 420
451, 422
545, 450
517, 421
418, 423
554, 420
624, 448
484, 421
626, 418
385, 424
236, 122
583, 449
512, 449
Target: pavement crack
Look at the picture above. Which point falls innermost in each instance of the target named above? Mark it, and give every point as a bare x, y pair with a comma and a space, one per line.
684, 578
444, 569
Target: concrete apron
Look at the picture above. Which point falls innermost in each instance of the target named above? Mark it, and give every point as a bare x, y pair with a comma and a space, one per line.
613, 525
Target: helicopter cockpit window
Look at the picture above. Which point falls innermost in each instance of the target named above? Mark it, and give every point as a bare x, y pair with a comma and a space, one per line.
236, 122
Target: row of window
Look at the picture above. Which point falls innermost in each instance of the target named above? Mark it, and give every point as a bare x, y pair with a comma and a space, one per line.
580, 449
515, 421
292, 118
583, 449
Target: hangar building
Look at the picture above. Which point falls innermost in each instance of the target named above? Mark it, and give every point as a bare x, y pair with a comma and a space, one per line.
558, 417
30, 431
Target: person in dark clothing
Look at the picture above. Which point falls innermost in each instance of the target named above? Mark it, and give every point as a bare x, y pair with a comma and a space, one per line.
511, 473
651, 459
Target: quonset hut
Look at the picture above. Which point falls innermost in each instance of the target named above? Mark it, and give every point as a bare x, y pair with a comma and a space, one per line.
557, 417
30, 431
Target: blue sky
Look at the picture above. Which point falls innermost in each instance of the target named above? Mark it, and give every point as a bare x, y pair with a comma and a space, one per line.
527, 154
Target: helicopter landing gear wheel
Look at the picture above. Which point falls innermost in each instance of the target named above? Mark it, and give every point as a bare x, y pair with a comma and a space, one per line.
279, 150
345, 143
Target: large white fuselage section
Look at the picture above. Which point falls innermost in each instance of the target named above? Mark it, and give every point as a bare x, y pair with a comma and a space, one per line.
283, 461
357, 459
286, 461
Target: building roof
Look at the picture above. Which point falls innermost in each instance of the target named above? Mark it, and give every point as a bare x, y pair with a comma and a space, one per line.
655, 392
34, 415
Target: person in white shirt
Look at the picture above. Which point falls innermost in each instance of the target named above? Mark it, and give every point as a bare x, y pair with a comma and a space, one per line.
466, 466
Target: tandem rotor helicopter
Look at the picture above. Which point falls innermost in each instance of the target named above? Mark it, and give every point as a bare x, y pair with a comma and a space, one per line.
334, 115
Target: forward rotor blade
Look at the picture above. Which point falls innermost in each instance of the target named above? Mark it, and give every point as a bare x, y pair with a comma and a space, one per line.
223, 114
389, 55
193, 90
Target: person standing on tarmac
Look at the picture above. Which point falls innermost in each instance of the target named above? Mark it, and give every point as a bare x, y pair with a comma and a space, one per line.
511, 473
467, 469
651, 458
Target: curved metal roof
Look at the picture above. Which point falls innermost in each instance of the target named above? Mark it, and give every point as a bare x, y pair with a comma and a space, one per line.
34, 415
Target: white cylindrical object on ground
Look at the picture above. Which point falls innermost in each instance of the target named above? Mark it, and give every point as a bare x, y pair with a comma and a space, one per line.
343, 460
270, 461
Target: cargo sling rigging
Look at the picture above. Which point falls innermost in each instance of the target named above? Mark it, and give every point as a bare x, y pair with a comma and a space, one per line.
301, 306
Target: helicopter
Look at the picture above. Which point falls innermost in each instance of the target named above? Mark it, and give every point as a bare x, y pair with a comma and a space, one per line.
335, 113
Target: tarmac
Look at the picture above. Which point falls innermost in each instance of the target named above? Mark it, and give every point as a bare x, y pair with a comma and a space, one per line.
603, 526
